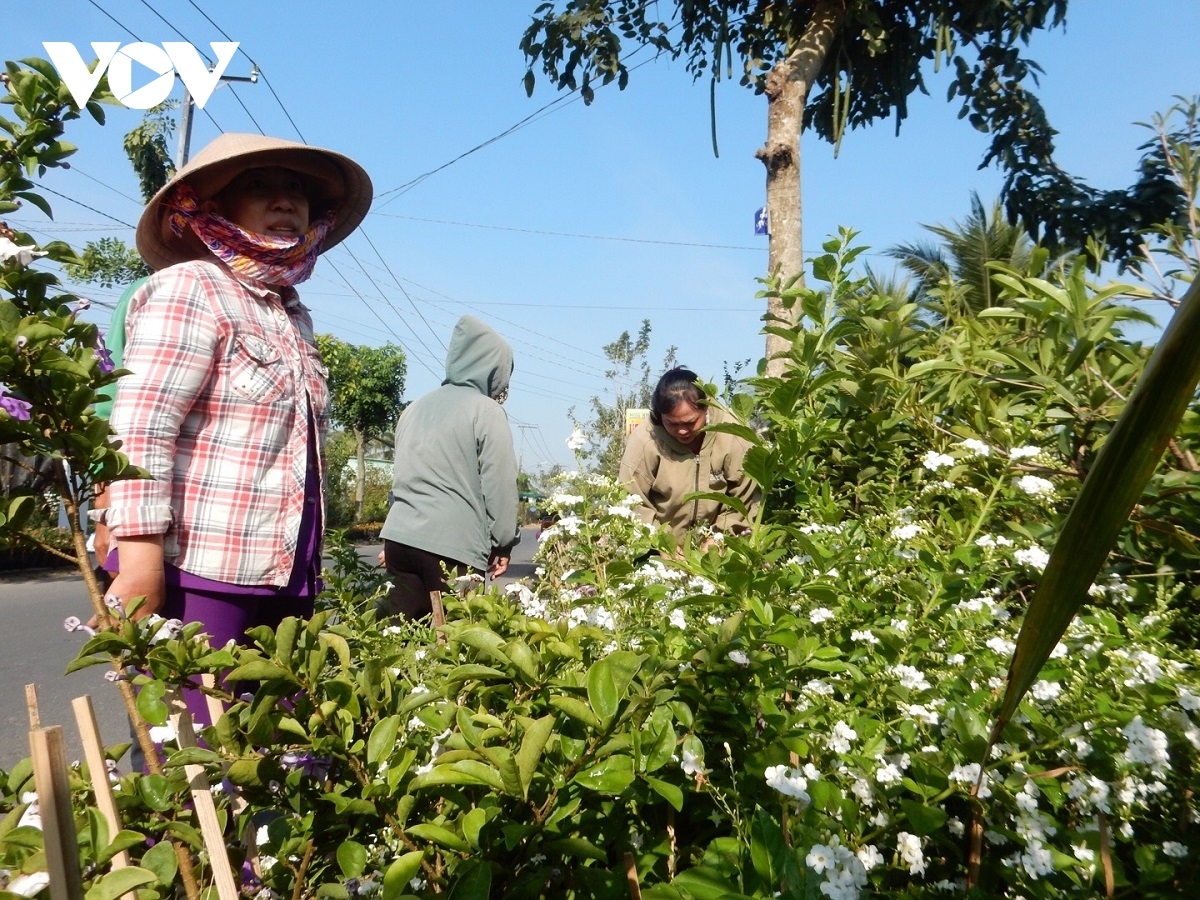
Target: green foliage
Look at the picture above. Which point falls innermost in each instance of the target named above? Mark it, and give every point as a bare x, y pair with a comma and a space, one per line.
633, 385
51, 362
108, 262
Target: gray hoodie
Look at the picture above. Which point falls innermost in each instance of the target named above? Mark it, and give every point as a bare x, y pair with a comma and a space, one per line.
455, 474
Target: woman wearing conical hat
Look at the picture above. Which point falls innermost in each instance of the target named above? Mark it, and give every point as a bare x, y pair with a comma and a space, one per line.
226, 403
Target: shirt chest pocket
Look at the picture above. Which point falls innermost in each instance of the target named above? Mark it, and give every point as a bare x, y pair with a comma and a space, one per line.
256, 369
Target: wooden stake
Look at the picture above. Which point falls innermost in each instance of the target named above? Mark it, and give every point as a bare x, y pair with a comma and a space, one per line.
631, 877
31, 704
93, 752
238, 804
58, 822
439, 614
206, 810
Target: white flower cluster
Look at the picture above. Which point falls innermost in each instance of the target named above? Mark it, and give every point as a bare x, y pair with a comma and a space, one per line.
845, 871
933, 460
1147, 746
975, 447
1032, 556
1035, 486
789, 782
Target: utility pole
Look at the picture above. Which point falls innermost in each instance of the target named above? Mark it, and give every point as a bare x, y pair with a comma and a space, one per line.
521, 453
185, 117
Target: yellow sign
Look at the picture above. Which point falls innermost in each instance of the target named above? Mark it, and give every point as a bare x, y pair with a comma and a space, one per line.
633, 417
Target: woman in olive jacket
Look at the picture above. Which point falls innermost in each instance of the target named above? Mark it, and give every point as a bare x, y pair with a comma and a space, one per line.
670, 456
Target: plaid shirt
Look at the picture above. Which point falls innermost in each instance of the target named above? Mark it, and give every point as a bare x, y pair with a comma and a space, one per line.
223, 375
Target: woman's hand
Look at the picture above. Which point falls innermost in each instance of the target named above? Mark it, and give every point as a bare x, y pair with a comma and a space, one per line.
498, 563
141, 575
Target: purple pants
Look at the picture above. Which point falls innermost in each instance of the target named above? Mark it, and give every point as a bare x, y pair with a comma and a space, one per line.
227, 617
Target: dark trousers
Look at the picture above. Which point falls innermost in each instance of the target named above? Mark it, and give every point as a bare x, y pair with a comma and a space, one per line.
414, 574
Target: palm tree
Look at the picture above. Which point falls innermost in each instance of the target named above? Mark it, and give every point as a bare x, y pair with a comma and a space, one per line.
953, 276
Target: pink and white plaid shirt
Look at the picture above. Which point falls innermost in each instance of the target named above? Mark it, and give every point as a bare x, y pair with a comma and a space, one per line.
223, 375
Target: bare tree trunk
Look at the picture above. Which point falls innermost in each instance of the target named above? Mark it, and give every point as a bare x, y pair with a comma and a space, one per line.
360, 488
787, 87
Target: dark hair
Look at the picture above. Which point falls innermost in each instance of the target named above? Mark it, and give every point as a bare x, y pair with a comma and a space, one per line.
678, 385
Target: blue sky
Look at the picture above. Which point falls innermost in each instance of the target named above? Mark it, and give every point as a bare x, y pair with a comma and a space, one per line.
586, 220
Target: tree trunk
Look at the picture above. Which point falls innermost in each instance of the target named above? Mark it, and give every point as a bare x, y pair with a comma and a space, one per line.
787, 87
360, 488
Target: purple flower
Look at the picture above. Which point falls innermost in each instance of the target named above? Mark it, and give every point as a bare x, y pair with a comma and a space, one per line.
103, 354
21, 341
312, 766
16, 408
72, 623
81, 304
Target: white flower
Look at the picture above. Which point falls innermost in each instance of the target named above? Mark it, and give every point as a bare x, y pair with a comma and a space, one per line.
934, 460
911, 678
1035, 486
975, 447
1046, 690
864, 636
906, 532
1083, 853
677, 619
693, 763
787, 781
1175, 849
888, 773
909, 848
840, 738
819, 858
576, 441
33, 883
1033, 556
1002, 646
160, 734
987, 540
737, 656
820, 614
1037, 860
870, 857
24, 256
1188, 700
1026, 452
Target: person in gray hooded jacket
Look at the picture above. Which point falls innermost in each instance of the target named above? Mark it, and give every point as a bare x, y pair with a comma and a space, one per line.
454, 478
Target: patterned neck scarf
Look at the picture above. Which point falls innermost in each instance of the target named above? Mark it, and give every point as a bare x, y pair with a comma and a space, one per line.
278, 261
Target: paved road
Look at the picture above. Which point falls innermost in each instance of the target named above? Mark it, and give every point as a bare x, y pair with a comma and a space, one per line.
34, 649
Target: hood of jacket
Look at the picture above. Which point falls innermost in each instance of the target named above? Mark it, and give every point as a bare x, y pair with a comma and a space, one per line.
478, 357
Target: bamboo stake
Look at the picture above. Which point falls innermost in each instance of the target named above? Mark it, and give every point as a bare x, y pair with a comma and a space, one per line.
31, 704
631, 877
439, 614
54, 802
238, 803
93, 752
206, 810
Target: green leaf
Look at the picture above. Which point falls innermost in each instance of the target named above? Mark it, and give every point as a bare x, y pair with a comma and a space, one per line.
437, 834
703, 884
400, 873
382, 740
923, 820
162, 861
578, 848
352, 858
473, 881
577, 710
119, 882
261, 670
673, 794
611, 776
537, 733
484, 640
150, 702
608, 682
